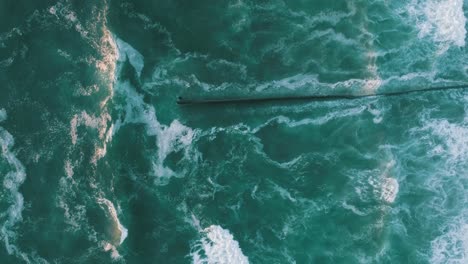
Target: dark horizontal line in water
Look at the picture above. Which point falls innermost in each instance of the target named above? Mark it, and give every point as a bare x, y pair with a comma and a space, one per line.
185, 101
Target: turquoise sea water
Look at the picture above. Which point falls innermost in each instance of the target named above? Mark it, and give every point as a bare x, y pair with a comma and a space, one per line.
99, 164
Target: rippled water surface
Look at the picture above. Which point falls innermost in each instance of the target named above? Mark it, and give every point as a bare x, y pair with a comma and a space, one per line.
100, 165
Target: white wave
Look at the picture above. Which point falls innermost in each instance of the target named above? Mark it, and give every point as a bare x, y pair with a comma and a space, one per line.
125, 51
82, 118
7, 62
376, 112
447, 141
173, 138
63, 11
454, 138
313, 121
374, 81
285, 194
115, 255
352, 208
11, 184
367, 86
107, 65
75, 216
218, 247
292, 83
121, 232
69, 169
331, 17
100, 123
443, 19
452, 246
3, 115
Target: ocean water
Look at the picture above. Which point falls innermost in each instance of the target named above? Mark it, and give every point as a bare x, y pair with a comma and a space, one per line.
99, 164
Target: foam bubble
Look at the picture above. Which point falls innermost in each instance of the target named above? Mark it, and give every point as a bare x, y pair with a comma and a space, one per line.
218, 246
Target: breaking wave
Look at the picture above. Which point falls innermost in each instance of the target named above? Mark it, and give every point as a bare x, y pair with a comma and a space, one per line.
217, 247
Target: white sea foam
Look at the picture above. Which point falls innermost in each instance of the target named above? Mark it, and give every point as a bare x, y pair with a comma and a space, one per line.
125, 51
120, 231
452, 246
218, 247
389, 189
388, 186
448, 141
454, 138
444, 20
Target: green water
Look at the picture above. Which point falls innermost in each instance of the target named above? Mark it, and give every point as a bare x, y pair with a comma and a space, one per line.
100, 165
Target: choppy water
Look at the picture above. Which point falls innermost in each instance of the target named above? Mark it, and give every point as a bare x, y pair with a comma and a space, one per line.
99, 165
